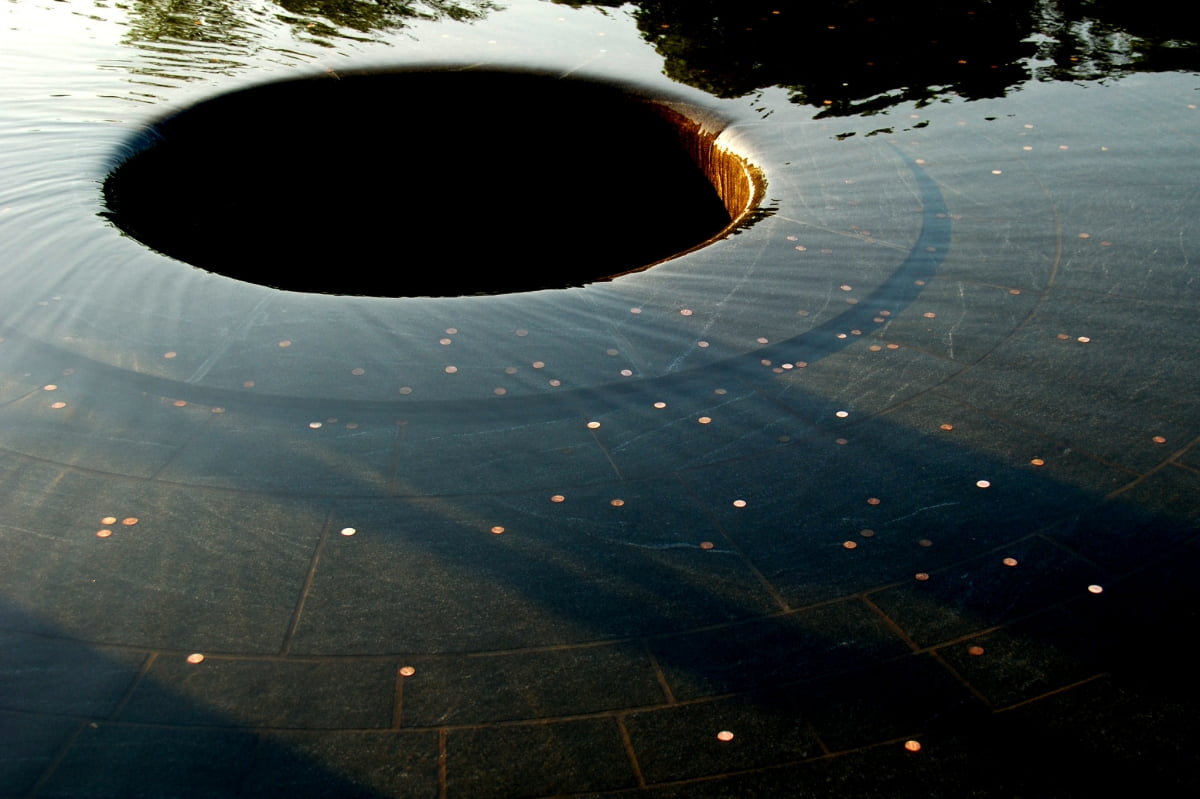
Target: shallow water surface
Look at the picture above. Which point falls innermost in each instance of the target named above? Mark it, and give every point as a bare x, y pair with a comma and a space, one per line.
899, 477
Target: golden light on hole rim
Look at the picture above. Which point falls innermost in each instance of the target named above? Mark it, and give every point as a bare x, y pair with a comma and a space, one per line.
285, 343
1037, 462
50, 387
706, 544
921, 576
925, 542
315, 425
129, 521
451, 370
616, 503
1095, 589
558, 498
842, 414
1159, 440
975, 651
169, 355
105, 533
850, 545
109, 520
946, 427
497, 530
704, 420
180, 403
660, 405
195, 657
348, 531
739, 503
873, 500
1009, 561
218, 410
593, 425
407, 671
725, 736
983, 483
58, 405
358, 372
912, 746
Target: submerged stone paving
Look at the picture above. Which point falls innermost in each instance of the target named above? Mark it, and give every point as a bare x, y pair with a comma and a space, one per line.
894, 493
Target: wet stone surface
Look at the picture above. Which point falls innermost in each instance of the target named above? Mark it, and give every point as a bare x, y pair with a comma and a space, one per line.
893, 493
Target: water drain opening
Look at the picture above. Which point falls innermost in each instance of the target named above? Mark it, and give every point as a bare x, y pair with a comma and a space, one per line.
428, 183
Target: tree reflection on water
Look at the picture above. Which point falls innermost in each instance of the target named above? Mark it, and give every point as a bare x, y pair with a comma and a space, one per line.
843, 57
227, 21
858, 56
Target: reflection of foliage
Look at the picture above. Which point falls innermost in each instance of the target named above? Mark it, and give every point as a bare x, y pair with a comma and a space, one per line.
858, 56
847, 57
1089, 39
207, 21
227, 21
369, 15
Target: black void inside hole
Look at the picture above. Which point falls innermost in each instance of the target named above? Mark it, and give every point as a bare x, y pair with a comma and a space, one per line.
427, 183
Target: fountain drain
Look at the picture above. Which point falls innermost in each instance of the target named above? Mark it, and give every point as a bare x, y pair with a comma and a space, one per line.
428, 183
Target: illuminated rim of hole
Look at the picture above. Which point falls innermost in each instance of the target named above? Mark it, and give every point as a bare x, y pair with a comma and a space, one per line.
653, 171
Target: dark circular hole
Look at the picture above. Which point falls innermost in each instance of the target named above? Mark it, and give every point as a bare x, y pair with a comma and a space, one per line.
427, 183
